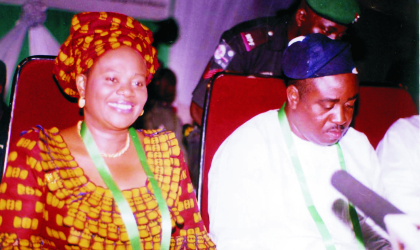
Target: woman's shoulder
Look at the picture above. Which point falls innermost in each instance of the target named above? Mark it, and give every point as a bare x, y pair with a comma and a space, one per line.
40, 151
40, 131
39, 136
41, 145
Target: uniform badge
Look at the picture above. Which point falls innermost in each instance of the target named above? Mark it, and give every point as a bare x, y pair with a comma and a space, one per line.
223, 54
356, 18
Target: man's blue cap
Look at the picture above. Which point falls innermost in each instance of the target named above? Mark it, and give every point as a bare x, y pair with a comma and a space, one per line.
316, 55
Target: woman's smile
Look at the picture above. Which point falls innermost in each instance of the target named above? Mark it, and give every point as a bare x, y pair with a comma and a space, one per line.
121, 106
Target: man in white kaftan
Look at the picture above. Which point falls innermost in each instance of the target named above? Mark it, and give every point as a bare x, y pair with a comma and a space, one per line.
399, 156
255, 196
255, 201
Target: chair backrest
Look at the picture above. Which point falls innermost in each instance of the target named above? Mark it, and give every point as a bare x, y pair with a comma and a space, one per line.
378, 108
233, 99
37, 100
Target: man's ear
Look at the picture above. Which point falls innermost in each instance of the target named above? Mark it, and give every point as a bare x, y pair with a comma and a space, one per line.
300, 16
292, 96
81, 81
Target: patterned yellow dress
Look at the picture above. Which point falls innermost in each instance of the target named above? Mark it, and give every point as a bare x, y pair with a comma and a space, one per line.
47, 202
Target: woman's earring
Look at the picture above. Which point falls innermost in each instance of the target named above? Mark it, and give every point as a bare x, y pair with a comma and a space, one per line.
142, 112
81, 102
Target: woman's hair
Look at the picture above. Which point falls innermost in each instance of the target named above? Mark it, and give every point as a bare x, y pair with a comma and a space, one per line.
94, 33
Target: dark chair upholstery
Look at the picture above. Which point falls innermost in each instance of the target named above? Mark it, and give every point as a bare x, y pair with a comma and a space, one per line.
234, 99
36, 99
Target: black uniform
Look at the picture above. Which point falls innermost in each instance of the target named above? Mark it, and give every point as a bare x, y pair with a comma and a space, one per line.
252, 47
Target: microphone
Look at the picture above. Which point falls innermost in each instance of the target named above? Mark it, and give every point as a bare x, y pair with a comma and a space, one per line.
372, 239
372, 205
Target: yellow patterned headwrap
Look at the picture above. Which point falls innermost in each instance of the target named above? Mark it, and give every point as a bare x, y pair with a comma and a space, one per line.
94, 33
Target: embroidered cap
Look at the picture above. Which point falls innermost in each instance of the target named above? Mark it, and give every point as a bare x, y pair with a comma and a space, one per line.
94, 33
316, 55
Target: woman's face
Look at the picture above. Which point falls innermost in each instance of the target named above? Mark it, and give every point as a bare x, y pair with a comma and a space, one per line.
115, 89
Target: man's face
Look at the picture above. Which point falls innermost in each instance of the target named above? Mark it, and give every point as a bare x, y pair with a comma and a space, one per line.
316, 24
325, 111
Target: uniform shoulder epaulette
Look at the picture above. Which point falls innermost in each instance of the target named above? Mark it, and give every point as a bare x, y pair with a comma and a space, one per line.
255, 37
253, 33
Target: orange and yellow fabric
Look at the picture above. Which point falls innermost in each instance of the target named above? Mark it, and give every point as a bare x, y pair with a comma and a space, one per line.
46, 200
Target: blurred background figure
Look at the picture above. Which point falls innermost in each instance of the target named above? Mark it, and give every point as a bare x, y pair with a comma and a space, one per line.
4, 117
159, 112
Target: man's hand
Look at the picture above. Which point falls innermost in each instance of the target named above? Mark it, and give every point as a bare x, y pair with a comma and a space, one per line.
372, 239
404, 231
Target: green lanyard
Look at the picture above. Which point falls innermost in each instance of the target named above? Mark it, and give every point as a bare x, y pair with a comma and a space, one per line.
126, 213
328, 242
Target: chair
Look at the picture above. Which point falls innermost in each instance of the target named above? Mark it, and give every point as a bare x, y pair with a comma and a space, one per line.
378, 108
233, 99
36, 99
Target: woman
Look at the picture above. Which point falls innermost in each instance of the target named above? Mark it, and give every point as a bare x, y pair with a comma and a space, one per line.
62, 189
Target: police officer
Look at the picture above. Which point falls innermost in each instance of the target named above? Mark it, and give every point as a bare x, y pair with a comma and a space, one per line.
256, 46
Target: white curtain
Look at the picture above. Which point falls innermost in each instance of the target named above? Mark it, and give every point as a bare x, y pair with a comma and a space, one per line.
41, 42
10, 46
201, 24
142, 9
